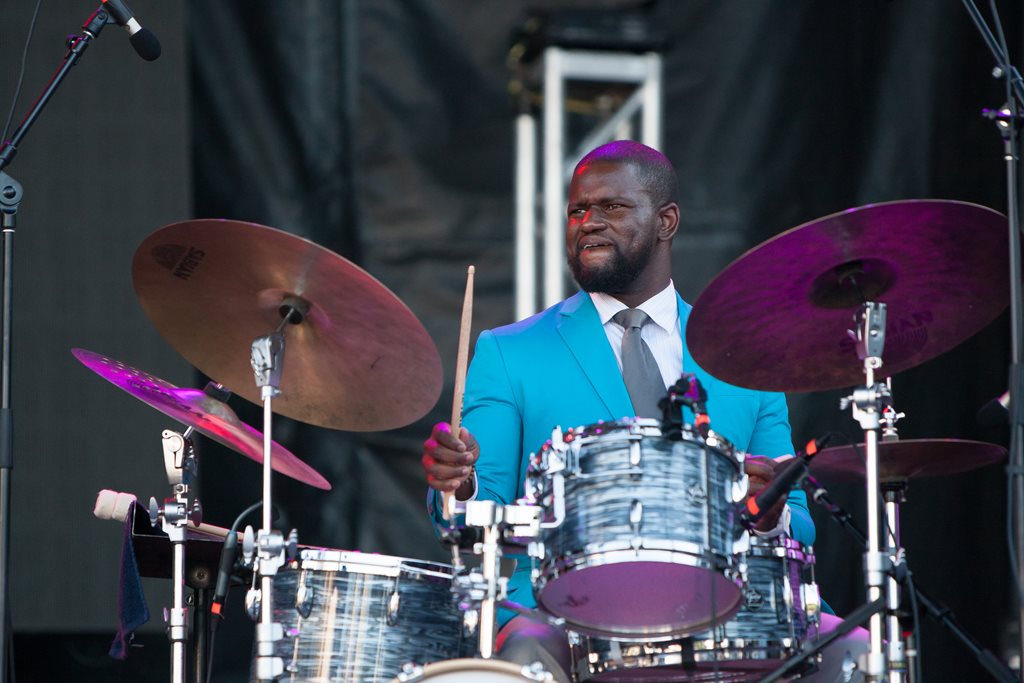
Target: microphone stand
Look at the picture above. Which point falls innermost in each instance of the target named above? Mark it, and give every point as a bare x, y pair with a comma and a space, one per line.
10, 200
1006, 120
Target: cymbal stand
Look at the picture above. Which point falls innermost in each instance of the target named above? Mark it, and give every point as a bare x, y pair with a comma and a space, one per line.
868, 403
940, 613
267, 361
182, 467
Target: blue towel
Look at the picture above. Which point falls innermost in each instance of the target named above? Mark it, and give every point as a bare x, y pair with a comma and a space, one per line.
132, 611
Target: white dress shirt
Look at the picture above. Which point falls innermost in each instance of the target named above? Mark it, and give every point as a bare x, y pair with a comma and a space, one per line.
661, 334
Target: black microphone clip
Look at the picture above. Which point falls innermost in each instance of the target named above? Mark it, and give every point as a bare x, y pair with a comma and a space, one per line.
687, 391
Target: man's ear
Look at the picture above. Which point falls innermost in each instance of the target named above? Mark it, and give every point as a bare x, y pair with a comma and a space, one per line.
668, 221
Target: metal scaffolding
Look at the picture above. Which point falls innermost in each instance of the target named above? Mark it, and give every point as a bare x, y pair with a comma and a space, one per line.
621, 95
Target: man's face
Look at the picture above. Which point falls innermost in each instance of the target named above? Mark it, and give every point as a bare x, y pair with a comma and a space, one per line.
612, 227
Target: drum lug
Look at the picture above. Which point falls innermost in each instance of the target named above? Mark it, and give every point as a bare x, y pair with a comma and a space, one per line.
811, 600
470, 622
410, 672
636, 518
393, 603
635, 454
739, 488
742, 545
304, 597
252, 603
787, 590
536, 672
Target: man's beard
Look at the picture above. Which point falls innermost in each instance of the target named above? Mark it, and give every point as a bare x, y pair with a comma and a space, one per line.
614, 276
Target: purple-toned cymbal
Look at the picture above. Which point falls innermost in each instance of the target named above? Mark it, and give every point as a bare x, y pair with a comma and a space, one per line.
777, 317
205, 414
359, 360
909, 459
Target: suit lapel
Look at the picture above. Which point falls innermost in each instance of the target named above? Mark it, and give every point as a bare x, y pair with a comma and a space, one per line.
581, 330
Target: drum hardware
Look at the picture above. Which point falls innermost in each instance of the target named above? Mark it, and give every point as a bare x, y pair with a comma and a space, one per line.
487, 526
840, 268
940, 613
177, 511
268, 556
481, 590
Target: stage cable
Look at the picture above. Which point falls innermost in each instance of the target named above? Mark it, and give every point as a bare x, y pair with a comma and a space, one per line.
21, 72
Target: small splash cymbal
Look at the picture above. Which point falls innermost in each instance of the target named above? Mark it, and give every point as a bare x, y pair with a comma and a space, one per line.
194, 408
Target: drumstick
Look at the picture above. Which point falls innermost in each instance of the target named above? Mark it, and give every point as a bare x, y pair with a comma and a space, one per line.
461, 360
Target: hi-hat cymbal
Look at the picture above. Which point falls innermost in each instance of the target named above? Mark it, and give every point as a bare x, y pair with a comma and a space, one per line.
193, 408
777, 318
909, 459
359, 360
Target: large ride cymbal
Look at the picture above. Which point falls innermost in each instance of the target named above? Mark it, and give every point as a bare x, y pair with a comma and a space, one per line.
359, 360
909, 459
777, 317
193, 408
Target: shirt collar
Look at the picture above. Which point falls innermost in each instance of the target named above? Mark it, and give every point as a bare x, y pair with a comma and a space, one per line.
662, 307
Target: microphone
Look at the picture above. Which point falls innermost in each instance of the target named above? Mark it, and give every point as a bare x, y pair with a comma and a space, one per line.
756, 506
996, 412
228, 555
142, 39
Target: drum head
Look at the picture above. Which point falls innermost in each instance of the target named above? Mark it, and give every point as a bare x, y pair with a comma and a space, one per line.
641, 598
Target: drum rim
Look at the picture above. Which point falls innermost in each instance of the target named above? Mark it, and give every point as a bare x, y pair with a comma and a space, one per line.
357, 562
464, 664
584, 433
705, 651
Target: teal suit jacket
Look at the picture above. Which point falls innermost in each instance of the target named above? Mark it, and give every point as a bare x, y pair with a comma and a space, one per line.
556, 368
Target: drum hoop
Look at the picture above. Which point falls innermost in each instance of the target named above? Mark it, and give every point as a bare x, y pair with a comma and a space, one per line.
457, 665
638, 427
616, 552
705, 651
355, 562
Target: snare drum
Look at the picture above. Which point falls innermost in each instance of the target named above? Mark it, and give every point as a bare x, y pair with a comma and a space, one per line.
350, 616
640, 538
780, 606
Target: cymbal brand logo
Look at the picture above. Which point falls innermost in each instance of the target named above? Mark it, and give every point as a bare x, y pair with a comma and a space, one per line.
182, 261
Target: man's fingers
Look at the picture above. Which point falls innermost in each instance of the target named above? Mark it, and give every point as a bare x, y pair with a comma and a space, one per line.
442, 433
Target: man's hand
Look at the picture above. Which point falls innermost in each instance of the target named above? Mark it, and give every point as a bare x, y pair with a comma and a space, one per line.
760, 471
448, 461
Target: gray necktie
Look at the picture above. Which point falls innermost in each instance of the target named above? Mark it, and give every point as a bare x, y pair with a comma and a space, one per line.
639, 369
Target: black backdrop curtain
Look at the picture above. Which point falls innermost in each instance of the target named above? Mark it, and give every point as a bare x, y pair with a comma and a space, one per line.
383, 130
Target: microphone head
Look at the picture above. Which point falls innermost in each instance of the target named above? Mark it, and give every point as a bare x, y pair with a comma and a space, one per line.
993, 414
146, 44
